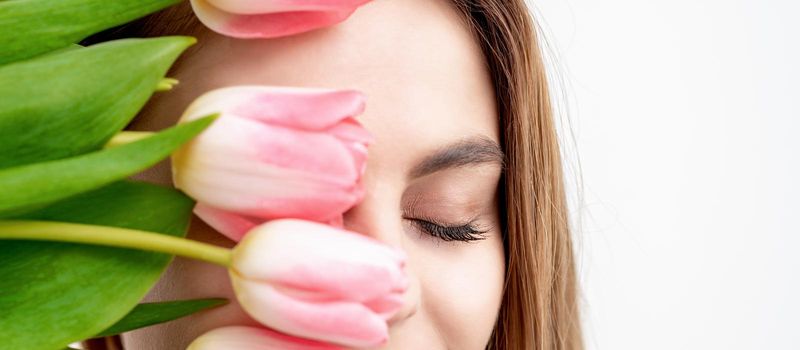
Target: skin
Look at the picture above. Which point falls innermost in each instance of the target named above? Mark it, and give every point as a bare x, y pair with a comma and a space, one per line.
427, 88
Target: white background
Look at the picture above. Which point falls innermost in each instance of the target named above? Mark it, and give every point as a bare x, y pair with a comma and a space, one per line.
685, 118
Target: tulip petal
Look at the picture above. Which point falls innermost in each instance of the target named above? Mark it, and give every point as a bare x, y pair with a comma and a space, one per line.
228, 223
258, 170
335, 263
386, 306
337, 222
351, 130
275, 152
310, 152
266, 25
315, 156
355, 138
261, 6
271, 25
251, 338
272, 197
346, 323
298, 108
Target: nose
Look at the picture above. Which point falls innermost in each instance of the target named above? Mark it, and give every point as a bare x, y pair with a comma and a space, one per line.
378, 216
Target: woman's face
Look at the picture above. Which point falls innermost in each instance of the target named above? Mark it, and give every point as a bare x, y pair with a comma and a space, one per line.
430, 106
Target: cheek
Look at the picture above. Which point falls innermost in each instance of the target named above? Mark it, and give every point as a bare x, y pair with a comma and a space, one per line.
462, 287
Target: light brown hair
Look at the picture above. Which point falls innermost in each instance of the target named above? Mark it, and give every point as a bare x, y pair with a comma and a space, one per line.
540, 303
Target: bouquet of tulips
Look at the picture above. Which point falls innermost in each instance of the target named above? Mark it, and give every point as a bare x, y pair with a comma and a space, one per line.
271, 168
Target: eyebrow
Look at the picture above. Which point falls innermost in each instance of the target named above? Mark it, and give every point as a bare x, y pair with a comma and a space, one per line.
476, 150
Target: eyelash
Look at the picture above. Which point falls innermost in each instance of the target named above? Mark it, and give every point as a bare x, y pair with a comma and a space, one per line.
461, 233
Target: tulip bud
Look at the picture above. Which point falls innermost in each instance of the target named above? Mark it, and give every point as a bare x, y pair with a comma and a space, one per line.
274, 18
318, 282
251, 338
273, 152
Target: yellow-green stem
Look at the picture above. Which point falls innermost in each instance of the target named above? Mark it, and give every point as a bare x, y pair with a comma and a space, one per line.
114, 237
166, 84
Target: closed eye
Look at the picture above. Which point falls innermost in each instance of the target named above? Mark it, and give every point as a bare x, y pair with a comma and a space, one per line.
463, 233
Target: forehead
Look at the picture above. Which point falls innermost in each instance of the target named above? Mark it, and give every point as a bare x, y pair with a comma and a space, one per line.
421, 69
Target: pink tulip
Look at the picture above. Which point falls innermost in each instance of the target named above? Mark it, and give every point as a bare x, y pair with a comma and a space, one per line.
318, 282
271, 18
250, 338
274, 152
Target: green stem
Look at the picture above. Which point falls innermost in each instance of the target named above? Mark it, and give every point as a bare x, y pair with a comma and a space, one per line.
114, 237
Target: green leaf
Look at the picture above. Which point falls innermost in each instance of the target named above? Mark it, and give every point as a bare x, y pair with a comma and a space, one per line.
28, 187
72, 101
148, 314
32, 27
53, 294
